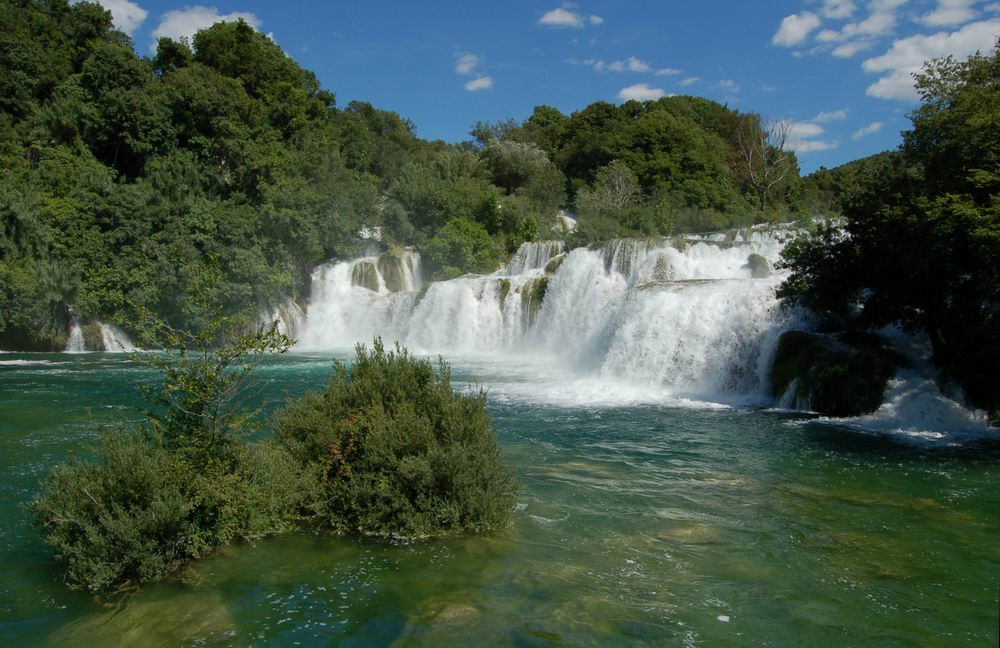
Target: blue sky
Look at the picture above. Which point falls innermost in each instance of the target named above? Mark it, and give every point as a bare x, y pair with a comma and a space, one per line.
837, 70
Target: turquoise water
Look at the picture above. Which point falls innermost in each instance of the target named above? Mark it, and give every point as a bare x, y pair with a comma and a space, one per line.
641, 524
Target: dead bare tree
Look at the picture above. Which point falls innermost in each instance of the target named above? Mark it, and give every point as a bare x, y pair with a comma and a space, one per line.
763, 155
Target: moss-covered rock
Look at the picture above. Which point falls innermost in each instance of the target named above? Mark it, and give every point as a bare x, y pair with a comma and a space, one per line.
532, 295
554, 263
759, 266
391, 267
364, 275
838, 376
504, 286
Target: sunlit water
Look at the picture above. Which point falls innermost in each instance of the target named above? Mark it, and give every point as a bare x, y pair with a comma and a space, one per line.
676, 524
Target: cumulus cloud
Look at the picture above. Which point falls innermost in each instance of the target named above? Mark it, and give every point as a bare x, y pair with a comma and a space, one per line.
690, 81
730, 85
833, 115
838, 9
565, 17
949, 13
596, 21
907, 55
870, 129
667, 72
795, 28
466, 63
847, 50
479, 83
637, 65
184, 23
803, 137
125, 15
640, 92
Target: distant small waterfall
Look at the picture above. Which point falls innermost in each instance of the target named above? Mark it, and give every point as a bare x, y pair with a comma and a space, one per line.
75, 343
114, 339
97, 336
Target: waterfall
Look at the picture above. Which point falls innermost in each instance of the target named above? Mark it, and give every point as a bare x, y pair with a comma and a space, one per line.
75, 344
534, 256
115, 340
684, 315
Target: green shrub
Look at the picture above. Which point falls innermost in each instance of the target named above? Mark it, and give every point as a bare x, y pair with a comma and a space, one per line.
398, 452
141, 511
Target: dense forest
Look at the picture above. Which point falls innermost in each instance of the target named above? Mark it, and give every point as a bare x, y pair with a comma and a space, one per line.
220, 168
921, 247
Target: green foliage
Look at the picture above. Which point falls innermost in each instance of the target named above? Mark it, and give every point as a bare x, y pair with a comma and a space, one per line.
843, 376
178, 485
398, 452
462, 246
223, 162
198, 408
922, 244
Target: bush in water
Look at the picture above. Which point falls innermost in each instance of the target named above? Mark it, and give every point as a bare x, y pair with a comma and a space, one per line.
141, 511
180, 484
387, 449
398, 452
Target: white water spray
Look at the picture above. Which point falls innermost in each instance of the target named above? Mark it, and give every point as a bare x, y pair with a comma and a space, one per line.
685, 317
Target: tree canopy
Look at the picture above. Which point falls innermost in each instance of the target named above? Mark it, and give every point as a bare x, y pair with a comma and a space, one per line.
922, 243
220, 167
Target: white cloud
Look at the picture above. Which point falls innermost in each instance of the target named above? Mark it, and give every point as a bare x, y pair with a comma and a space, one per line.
479, 83
993, 8
730, 85
596, 21
907, 56
802, 138
631, 64
184, 23
637, 65
838, 9
847, 50
949, 13
870, 129
563, 17
126, 16
466, 63
667, 72
833, 115
640, 92
795, 29
690, 81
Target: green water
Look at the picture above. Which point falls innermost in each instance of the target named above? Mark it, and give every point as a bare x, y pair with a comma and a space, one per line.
636, 525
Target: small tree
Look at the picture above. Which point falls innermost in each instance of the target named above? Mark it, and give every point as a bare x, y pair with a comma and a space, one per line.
198, 406
763, 157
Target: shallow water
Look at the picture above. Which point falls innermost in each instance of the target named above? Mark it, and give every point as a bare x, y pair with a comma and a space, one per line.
643, 524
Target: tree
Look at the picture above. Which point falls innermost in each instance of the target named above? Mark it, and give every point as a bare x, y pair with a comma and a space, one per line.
922, 246
763, 158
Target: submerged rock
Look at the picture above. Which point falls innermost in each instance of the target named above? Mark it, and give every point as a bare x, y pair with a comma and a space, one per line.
838, 376
759, 266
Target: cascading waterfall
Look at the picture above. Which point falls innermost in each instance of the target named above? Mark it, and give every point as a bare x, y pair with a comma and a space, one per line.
75, 343
684, 315
115, 340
